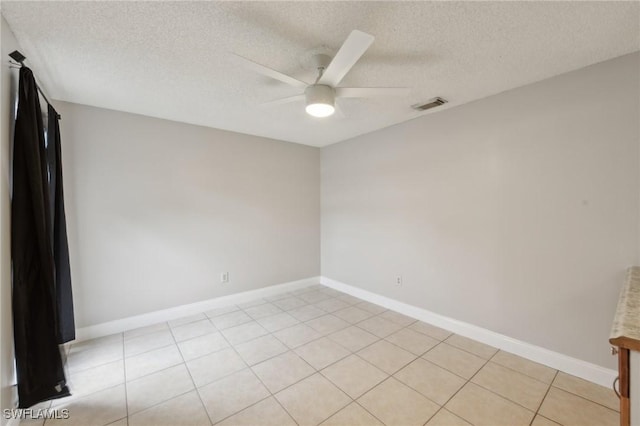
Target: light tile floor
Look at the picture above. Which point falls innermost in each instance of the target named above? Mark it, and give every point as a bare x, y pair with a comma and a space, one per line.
315, 356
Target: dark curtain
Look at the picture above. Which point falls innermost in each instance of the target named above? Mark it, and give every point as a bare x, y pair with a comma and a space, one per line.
35, 319
64, 298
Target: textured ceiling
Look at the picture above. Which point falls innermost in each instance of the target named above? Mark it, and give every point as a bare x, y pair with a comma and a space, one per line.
171, 59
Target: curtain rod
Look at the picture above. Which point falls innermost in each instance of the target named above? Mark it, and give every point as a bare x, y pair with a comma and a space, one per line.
19, 57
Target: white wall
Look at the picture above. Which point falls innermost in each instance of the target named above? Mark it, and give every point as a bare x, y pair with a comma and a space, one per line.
9, 90
156, 210
517, 213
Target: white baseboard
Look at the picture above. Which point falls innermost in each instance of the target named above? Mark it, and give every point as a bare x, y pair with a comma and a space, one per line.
129, 323
574, 366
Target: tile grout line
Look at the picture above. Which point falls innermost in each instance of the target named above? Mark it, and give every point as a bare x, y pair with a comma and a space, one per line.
271, 395
190, 375
496, 393
442, 407
520, 372
365, 408
543, 398
461, 387
316, 371
327, 335
584, 397
269, 333
289, 349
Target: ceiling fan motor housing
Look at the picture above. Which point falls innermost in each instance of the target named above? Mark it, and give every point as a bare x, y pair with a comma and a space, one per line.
320, 100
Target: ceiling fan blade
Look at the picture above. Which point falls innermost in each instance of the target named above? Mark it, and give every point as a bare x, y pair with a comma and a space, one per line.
371, 92
271, 73
283, 100
351, 50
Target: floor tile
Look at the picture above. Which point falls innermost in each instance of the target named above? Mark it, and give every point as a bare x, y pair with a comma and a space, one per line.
158, 387
267, 412
93, 356
183, 410
230, 319
297, 335
232, 394
532, 369
312, 400
330, 291
327, 324
379, 326
352, 415
479, 406
331, 305
260, 349
322, 352
283, 370
99, 342
591, 391
354, 375
243, 333
512, 385
446, 418
152, 361
396, 404
137, 332
215, 312
302, 291
353, 314
569, 409
289, 303
314, 296
543, 421
349, 299
186, 320
86, 382
434, 382
414, 342
430, 330
121, 422
353, 338
35, 420
469, 345
307, 312
371, 307
147, 342
97, 409
214, 366
398, 318
456, 360
192, 329
278, 322
202, 345
250, 303
386, 356
278, 296
261, 311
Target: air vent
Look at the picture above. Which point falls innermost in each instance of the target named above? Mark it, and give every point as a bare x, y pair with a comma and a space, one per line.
431, 104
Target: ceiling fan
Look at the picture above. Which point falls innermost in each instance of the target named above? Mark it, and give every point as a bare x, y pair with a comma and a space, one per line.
320, 96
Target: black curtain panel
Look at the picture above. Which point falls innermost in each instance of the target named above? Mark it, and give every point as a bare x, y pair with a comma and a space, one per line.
35, 319
64, 295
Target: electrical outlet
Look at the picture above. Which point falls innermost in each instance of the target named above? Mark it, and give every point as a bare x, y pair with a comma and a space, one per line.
399, 280
224, 277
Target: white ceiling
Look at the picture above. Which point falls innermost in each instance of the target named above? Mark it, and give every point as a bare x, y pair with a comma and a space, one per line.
171, 59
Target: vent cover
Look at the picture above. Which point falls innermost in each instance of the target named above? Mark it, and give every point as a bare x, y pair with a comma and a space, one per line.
431, 104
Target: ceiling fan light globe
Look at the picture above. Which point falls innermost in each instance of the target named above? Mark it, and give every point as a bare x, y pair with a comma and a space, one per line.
320, 100
320, 110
